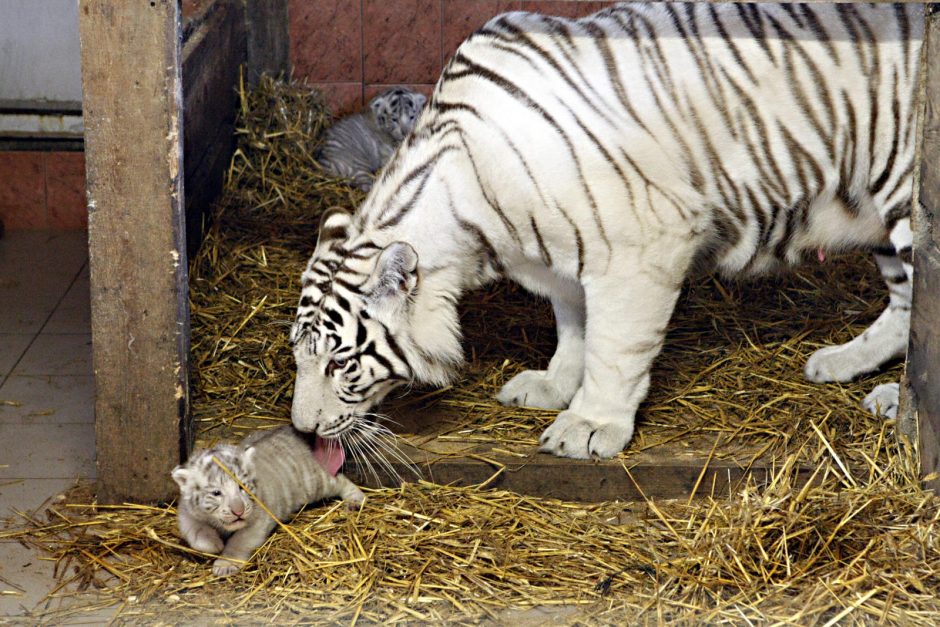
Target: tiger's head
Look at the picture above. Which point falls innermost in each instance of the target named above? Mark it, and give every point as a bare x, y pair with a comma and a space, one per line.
365, 325
211, 494
397, 110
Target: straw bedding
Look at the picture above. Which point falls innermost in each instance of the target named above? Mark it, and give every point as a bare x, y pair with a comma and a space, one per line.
859, 543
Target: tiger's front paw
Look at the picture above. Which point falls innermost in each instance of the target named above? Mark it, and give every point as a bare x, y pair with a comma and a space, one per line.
531, 388
883, 400
573, 436
835, 363
224, 568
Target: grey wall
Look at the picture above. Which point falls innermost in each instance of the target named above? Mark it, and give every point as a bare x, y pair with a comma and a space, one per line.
39, 51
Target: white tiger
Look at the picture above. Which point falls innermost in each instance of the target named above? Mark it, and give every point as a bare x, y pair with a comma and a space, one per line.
597, 162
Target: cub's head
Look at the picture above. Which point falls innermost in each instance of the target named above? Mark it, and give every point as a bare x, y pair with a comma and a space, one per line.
364, 326
397, 110
210, 493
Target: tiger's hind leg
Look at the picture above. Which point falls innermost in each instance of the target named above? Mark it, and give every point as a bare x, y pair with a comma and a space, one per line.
553, 388
886, 338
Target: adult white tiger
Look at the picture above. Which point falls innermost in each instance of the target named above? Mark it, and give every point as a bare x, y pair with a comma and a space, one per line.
596, 162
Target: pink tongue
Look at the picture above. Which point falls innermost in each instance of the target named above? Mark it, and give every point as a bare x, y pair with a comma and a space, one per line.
329, 453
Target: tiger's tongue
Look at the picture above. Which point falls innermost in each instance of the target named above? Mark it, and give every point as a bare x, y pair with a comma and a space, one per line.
329, 453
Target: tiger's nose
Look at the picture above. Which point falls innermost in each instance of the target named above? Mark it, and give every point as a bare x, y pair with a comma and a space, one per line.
238, 508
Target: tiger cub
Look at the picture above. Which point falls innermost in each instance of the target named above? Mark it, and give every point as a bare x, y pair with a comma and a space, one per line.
284, 469
357, 146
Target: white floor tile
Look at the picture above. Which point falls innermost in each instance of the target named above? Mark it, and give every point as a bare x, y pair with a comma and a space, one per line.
73, 315
29, 495
47, 451
45, 399
12, 347
57, 354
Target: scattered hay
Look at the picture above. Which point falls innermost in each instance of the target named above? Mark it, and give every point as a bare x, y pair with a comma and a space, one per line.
859, 543
834, 550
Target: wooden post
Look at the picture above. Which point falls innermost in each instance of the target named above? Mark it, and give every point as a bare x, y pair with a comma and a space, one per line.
139, 297
923, 367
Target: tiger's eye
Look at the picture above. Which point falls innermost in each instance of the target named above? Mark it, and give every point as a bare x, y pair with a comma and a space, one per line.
335, 364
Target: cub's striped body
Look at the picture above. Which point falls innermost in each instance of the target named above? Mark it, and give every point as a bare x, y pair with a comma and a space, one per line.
599, 161
280, 467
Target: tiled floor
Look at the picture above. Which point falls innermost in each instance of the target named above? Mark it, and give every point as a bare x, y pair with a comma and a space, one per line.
47, 421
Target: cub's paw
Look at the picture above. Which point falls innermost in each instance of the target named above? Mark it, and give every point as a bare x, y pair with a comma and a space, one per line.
354, 500
208, 542
531, 388
835, 363
883, 400
224, 568
573, 436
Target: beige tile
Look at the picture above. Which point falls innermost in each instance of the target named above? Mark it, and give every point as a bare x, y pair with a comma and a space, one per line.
12, 347
57, 354
36, 271
29, 495
43, 399
29, 575
73, 314
47, 451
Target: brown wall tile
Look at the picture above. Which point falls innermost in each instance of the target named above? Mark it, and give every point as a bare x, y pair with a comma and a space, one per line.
22, 190
326, 39
563, 8
343, 98
65, 190
401, 41
462, 17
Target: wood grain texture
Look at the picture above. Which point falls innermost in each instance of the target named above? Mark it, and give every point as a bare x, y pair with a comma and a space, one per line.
139, 299
923, 368
212, 55
668, 471
268, 43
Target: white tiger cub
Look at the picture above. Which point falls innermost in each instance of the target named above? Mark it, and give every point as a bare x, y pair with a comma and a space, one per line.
281, 467
599, 162
357, 146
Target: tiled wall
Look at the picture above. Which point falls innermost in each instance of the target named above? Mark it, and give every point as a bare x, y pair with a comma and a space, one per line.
353, 49
42, 190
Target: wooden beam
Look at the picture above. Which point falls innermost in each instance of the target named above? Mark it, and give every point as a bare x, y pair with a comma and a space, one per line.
668, 471
923, 367
139, 298
214, 51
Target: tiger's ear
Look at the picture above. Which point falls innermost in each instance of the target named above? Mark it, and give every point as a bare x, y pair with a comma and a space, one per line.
420, 100
248, 457
334, 226
377, 104
395, 276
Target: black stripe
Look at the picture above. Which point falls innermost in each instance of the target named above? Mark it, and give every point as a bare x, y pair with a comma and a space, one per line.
360, 333
543, 251
879, 183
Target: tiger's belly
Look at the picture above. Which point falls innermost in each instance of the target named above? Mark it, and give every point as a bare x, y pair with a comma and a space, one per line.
827, 226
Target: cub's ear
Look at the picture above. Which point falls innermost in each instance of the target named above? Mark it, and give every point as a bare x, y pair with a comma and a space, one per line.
377, 104
180, 475
248, 457
395, 276
420, 99
334, 226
